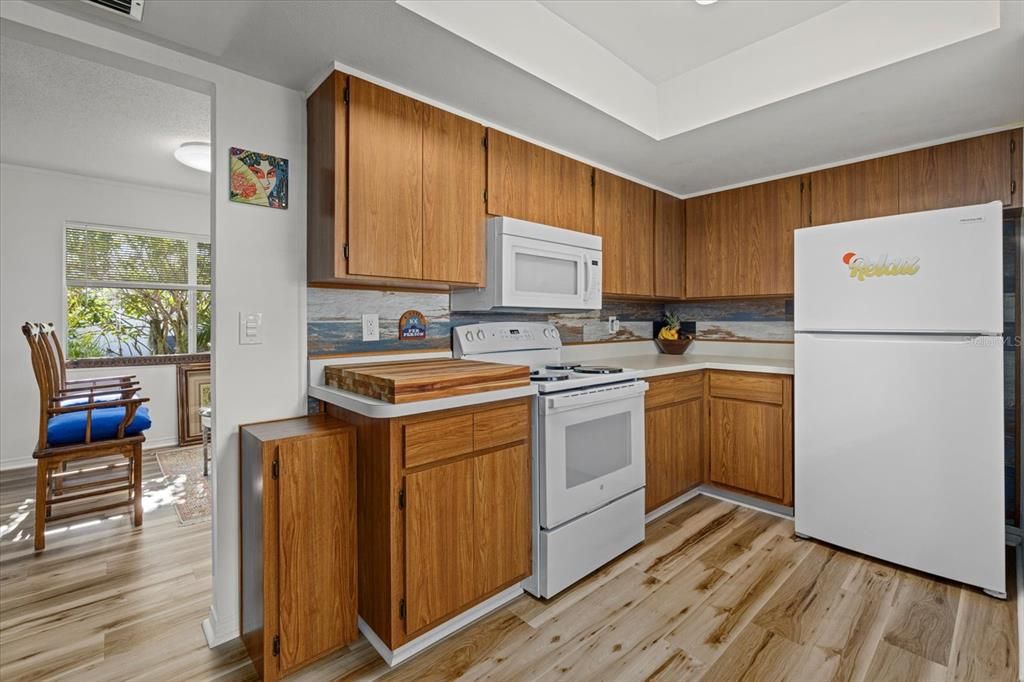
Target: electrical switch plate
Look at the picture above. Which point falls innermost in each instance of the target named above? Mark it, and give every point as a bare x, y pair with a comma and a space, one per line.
613, 324
371, 327
250, 328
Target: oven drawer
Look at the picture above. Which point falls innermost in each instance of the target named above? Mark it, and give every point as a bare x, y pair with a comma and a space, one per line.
674, 389
761, 388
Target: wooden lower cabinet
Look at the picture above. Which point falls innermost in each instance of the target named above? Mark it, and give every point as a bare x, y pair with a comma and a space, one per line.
732, 430
443, 519
674, 432
466, 533
750, 434
298, 542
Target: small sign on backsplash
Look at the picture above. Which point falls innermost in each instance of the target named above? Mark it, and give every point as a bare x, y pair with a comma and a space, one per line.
412, 325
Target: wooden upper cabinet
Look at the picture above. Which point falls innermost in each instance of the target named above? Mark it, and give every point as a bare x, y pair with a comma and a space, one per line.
327, 185
868, 189
624, 219
740, 242
454, 215
385, 182
973, 171
669, 246
532, 183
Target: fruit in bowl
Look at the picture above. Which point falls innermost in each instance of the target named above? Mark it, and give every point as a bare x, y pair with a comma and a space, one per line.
670, 340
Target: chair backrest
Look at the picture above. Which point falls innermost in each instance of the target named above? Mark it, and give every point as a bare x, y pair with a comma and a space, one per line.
41, 368
56, 353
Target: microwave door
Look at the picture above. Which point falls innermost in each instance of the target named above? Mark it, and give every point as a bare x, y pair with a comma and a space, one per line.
537, 274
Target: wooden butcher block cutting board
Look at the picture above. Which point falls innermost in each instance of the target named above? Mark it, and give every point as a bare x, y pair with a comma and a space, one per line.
404, 382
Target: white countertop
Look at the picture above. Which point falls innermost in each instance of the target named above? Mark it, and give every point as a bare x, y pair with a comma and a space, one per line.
769, 358
381, 409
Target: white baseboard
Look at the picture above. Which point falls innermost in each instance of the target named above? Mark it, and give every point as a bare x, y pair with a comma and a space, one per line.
169, 442
217, 634
410, 649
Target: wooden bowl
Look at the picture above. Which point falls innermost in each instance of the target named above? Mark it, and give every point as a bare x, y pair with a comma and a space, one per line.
674, 347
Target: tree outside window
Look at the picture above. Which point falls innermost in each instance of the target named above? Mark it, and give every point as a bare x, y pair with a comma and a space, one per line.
136, 293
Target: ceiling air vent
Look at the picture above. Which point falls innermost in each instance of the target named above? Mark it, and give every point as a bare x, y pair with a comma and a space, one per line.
128, 8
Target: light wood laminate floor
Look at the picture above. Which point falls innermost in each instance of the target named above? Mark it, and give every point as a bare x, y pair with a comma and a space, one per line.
717, 592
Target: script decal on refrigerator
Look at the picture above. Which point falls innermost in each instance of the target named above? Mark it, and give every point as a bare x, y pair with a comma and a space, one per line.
862, 268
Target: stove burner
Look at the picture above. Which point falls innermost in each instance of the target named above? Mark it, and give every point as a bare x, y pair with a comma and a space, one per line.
536, 375
563, 366
597, 369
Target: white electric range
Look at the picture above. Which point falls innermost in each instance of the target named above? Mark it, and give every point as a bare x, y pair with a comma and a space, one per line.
588, 451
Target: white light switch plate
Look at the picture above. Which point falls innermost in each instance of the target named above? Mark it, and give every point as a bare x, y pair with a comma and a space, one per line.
371, 327
250, 328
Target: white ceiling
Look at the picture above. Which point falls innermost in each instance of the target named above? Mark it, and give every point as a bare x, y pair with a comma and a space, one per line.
67, 114
661, 39
969, 86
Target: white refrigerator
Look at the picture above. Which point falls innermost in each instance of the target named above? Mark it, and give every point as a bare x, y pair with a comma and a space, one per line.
898, 394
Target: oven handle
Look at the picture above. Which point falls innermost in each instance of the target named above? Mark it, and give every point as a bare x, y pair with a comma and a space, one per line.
594, 396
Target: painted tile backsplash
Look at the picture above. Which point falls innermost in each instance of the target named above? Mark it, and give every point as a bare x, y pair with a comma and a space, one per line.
739, 320
334, 320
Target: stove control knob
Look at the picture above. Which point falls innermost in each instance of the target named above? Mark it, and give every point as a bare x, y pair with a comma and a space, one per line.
480, 335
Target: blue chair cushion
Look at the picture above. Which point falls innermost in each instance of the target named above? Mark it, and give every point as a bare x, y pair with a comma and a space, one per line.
69, 428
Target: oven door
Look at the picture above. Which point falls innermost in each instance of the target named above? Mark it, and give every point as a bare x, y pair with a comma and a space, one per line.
542, 274
591, 449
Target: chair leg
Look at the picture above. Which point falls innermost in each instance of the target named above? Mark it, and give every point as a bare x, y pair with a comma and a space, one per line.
137, 483
41, 506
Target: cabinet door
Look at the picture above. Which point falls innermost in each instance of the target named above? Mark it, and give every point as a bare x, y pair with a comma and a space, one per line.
385, 182
868, 189
740, 242
674, 451
502, 534
624, 219
748, 446
669, 246
440, 542
467, 530
529, 182
454, 178
316, 573
973, 171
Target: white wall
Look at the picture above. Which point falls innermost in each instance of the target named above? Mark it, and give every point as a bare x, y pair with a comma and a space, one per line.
34, 205
259, 256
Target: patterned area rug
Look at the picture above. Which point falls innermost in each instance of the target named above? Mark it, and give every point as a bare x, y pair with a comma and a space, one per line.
189, 489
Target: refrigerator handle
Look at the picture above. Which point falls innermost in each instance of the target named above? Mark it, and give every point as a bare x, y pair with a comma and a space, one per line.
962, 339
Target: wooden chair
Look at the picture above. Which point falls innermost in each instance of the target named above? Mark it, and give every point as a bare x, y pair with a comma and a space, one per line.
80, 420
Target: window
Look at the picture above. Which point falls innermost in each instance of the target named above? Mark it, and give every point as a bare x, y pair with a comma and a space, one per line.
134, 292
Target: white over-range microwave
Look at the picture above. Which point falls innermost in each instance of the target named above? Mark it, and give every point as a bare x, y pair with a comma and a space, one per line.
530, 265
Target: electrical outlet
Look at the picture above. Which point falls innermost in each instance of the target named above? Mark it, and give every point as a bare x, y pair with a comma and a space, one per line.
613, 324
371, 327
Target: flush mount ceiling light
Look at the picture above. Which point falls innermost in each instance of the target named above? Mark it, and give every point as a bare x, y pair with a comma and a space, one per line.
705, 2
194, 155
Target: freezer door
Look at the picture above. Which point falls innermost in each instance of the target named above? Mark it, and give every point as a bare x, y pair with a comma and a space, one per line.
898, 450
934, 271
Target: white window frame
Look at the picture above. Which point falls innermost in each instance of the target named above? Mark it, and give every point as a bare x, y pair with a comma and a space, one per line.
192, 287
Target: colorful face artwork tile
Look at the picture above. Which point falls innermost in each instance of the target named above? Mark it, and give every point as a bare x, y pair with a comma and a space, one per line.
258, 179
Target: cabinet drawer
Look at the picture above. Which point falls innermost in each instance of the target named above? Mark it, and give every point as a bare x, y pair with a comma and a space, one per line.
437, 439
501, 426
744, 386
674, 389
